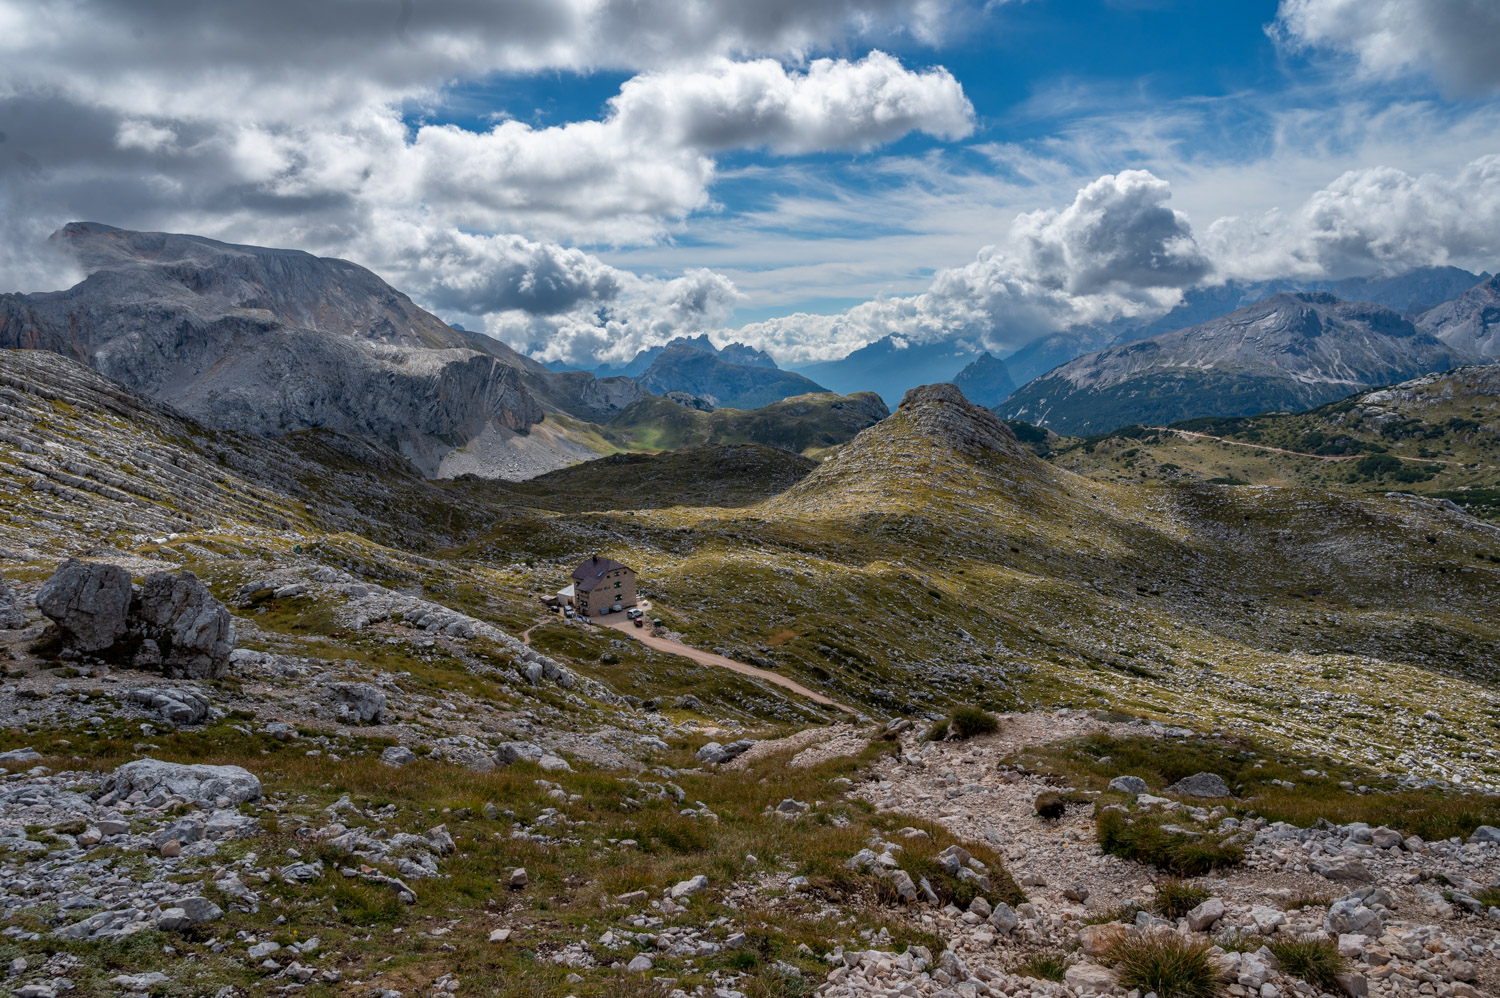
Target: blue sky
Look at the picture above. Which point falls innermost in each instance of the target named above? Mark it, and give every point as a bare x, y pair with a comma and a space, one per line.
584, 178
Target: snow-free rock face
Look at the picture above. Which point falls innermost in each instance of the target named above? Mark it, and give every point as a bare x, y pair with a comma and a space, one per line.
269, 341
1289, 351
89, 603
1471, 322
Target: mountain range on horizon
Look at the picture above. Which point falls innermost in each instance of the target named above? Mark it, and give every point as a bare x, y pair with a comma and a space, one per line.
274, 341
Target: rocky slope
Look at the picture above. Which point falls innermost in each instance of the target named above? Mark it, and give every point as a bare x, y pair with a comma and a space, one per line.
1437, 435
1289, 351
273, 341
1470, 322
409, 777
802, 424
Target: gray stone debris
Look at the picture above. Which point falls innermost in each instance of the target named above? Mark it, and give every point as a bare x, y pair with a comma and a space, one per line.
88, 602
173, 705
11, 615
1205, 915
199, 784
1201, 785
397, 755
357, 703
510, 752
716, 754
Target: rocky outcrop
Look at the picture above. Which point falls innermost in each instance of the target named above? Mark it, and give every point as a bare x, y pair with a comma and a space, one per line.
171, 623
193, 629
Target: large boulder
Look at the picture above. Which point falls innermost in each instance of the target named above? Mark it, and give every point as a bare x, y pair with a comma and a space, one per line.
11, 616
89, 603
197, 783
357, 703
193, 630
1201, 785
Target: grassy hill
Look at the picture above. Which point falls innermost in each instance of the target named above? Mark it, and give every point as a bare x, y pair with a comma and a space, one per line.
1438, 436
804, 424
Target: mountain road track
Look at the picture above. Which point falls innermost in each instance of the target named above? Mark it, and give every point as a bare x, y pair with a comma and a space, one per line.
620, 623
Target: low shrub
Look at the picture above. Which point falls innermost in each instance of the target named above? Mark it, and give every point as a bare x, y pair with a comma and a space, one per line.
1315, 959
966, 722
1300, 901
937, 732
1175, 898
1236, 941
1050, 805
1046, 966
1141, 838
1122, 913
1167, 964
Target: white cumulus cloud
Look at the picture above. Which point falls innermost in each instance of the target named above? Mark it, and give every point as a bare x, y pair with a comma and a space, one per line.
1378, 220
1117, 250
1453, 40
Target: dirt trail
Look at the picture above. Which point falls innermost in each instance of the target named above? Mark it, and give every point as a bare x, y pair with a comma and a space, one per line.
1293, 453
645, 637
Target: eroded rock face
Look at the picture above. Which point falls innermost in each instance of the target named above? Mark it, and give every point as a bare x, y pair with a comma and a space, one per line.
193, 630
89, 603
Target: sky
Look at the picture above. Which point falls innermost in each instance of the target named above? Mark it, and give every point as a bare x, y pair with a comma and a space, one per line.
586, 178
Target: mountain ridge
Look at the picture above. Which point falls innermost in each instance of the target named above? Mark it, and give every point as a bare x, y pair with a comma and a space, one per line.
1291, 350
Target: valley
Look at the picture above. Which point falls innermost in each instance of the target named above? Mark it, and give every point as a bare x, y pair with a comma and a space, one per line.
930, 703
449, 810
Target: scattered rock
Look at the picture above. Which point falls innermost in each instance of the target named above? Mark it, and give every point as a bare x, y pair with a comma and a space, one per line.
398, 756
518, 878
357, 703
11, 615
195, 630
175, 706
1128, 784
507, 753
716, 754
687, 888
1201, 785
1201, 918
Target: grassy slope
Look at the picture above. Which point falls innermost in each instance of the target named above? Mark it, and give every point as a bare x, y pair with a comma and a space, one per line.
904, 576
804, 424
1437, 436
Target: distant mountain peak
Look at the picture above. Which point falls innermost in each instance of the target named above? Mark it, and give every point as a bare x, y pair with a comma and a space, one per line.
1290, 350
985, 381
